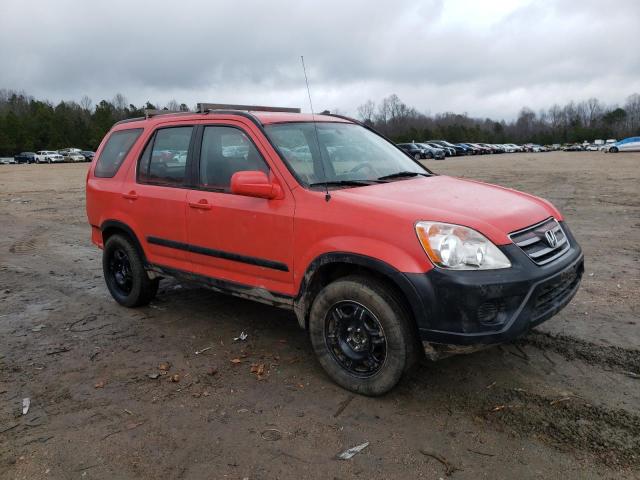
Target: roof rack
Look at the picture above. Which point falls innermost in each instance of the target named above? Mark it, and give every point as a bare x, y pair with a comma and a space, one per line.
208, 107
148, 112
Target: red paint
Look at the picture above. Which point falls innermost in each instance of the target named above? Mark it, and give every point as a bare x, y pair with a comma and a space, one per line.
296, 225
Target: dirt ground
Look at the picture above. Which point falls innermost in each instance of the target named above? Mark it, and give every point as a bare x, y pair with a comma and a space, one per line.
563, 402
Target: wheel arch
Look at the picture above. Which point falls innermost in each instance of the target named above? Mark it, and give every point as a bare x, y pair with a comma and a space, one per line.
112, 227
329, 267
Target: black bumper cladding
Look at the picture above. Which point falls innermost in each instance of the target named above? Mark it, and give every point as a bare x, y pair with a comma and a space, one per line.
479, 308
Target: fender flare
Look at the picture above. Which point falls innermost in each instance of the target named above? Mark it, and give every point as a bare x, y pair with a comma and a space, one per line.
303, 300
118, 225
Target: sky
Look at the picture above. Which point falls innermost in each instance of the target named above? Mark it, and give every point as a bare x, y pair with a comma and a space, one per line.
485, 58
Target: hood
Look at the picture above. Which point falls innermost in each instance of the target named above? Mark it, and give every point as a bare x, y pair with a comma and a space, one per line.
492, 210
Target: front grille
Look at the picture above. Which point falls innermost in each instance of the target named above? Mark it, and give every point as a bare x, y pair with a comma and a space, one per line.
556, 291
543, 242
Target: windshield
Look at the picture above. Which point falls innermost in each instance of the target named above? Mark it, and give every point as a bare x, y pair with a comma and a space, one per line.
341, 152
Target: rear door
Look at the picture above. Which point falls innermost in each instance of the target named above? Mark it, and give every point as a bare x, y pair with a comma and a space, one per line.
156, 195
237, 238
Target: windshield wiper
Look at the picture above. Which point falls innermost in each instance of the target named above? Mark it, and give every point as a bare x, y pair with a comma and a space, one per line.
352, 183
402, 174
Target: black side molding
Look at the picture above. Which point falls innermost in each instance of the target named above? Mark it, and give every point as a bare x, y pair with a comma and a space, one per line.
235, 257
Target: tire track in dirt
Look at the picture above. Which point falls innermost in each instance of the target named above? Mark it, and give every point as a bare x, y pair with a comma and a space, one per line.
612, 435
573, 348
29, 243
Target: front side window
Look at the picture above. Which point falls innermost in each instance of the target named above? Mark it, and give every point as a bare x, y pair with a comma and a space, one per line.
339, 152
115, 151
225, 151
164, 160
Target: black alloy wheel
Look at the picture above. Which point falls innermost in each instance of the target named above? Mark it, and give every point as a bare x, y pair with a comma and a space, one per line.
120, 271
355, 338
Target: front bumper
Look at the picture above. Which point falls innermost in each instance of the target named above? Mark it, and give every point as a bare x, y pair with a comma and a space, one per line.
474, 309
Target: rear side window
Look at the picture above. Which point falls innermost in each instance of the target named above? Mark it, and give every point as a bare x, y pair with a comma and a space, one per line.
115, 151
164, 160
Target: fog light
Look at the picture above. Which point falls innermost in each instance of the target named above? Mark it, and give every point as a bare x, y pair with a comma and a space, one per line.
489, 313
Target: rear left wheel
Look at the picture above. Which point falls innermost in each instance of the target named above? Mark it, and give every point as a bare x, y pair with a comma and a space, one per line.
125, 275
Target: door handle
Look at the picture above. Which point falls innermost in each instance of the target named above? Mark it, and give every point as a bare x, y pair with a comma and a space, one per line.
132, 195
201, 204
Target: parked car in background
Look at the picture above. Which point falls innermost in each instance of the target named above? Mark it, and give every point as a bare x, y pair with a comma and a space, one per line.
25, 157
482, 148
72, 155
458, 149
631, 144
88, 155
48, 156
593, 147
434, 153
448, 151
473, 149
412, 149
514, 147
573, 148
7, 160
492, 148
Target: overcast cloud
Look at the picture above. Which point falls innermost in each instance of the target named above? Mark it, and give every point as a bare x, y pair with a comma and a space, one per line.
486, 58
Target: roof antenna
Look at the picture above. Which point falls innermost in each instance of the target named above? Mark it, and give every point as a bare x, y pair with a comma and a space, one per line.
327, 195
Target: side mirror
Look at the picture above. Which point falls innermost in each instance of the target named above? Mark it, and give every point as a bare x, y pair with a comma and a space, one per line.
254, 183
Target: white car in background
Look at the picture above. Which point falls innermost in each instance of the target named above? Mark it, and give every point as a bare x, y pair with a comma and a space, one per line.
631, 144
48, 156
512, 148
72, 155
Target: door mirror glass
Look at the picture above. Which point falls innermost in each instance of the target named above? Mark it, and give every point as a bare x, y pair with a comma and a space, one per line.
254, 183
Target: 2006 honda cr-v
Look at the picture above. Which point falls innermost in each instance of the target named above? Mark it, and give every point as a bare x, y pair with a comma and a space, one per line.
379, 258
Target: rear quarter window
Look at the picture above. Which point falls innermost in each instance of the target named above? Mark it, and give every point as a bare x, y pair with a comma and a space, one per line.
115, 151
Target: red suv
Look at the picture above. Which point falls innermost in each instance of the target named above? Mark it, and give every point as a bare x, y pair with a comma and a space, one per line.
379, 258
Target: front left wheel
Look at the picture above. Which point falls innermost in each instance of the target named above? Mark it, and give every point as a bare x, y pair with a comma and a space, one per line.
125, 275
362, 335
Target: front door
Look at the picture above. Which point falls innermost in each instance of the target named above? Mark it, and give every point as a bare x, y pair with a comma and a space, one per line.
235, 238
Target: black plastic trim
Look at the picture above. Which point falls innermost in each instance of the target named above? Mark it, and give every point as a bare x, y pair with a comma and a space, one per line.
117, 225
235, 257
241, 290
400, 280
452, 299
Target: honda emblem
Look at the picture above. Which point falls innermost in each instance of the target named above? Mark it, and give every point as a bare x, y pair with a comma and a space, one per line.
552, 240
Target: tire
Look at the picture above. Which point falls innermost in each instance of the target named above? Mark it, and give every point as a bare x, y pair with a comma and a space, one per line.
125, 275
614, 150
361, 335
416, 156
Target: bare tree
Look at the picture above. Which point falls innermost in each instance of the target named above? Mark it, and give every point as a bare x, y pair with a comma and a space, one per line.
86, 103
173, 105
366, 111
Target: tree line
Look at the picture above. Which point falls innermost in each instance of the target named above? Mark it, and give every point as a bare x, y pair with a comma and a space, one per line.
28, 124
574, 122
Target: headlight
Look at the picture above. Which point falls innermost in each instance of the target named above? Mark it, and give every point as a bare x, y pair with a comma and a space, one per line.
459, 248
